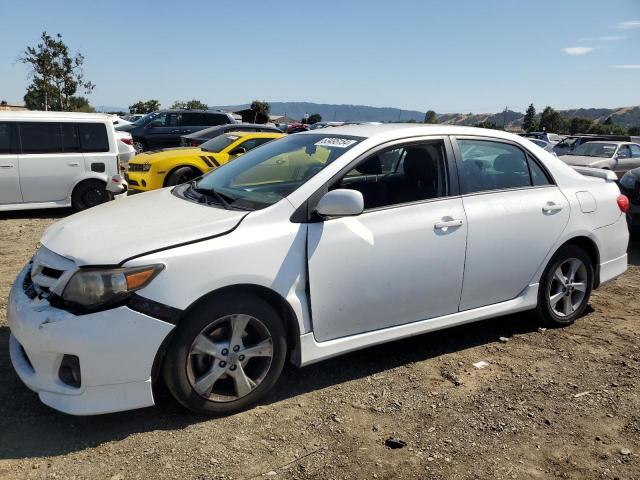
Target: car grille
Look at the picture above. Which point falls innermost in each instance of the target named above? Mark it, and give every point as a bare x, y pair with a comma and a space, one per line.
48, 269
136, 167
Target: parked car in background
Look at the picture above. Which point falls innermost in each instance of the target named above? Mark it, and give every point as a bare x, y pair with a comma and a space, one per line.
152, 170
125, 148
56, 159
630, 186
132, 117
119, 121
547, 137
571, 142
317, 125
164, 128
542, 144
224, 279
198, 138
297, 127
616, 156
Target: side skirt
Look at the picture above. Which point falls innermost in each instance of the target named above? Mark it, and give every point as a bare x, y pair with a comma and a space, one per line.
312, 351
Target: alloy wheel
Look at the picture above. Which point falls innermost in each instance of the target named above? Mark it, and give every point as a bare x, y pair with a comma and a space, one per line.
568, 287
229, 358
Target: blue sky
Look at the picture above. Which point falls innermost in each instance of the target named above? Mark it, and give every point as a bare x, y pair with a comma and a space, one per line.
450, 56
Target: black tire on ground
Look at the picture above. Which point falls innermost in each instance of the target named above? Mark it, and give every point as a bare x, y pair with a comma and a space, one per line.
176, 365
89, 193
552, 288
181, 175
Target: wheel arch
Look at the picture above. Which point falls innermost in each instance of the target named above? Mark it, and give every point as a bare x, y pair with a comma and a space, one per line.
176, 167
89, 177
591, 249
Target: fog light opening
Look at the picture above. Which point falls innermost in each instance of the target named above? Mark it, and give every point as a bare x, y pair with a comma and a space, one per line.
69, 371
144, 183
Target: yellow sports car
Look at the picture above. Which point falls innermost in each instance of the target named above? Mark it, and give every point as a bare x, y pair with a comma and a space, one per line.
173, 166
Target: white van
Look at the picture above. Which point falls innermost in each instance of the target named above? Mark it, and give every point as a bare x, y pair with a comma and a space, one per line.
57, 159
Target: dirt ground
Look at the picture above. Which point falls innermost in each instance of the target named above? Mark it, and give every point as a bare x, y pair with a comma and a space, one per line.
551, 404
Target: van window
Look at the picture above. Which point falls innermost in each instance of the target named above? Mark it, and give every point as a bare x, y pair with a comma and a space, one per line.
70, 141
93, 137
191, 120
7, 144
212, 119
41, 137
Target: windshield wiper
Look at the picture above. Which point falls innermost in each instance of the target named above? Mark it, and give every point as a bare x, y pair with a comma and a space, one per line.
217, 195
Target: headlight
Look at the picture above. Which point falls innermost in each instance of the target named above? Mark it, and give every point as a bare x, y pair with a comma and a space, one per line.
628, 181
91, 288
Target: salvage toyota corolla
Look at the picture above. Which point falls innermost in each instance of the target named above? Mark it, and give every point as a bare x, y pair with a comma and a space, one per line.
305, 248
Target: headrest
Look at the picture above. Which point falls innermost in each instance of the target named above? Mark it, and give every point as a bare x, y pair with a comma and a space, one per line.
370, 167
508, 163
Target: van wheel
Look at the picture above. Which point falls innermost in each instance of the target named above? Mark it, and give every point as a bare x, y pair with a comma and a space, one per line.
181, 175
88, 194
225, 355
139, 145
565, 287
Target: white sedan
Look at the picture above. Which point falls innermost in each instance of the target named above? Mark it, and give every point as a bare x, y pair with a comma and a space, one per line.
305, 248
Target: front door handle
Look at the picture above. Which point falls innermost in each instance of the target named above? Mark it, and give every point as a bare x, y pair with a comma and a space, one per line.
448, 223
73, 164
551, 207
6, 166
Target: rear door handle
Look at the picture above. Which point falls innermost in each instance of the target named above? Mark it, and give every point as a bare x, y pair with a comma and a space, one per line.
444, 224
551, 207
6, 166
73, 164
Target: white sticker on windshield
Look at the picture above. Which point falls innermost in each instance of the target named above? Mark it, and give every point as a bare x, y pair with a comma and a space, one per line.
232, 137
335, 142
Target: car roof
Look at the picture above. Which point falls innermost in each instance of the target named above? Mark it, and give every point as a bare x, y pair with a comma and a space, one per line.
615, 142
393, 131
254, 134
33, 114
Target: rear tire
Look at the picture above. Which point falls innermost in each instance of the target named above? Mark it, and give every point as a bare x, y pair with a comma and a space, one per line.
181, 175
225, 355
89, 193
565, 287
139, 145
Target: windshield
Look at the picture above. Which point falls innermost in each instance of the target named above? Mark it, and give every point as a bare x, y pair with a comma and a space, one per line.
591, 149
267, 174
219, 143
145, 118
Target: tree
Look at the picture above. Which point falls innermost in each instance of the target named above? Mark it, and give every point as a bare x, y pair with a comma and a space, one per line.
80, 104
634, 131
190, 105
488, 124
607, 129
579, 125
314, 118
430, 117
551, 121
529, 119
144, 107
56, 76
608, 121
260, 111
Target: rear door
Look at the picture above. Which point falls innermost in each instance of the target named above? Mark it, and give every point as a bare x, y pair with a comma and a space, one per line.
625, 161
96, 148
515, 215
50, 160
9, 165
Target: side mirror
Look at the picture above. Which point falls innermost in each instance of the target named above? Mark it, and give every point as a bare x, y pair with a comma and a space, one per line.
341, 203
238, 151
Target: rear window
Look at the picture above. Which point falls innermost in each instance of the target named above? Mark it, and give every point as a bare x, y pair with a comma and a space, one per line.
219, 143
191, 120
212, 119
7, 144
93, 137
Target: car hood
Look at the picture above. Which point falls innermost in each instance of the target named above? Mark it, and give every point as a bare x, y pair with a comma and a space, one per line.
167, 153
123, 228
581, 161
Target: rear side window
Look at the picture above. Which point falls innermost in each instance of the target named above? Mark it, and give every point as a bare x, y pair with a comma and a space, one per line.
41, 137
212, 119
489, 165
7, 138
70, 140
93, 137
191, 119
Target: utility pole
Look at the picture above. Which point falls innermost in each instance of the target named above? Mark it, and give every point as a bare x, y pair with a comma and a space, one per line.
504, 117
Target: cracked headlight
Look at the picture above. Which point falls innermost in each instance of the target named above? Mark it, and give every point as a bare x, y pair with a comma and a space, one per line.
92, 288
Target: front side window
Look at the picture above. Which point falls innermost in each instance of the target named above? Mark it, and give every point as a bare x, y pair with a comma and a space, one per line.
93, 137
212, 119
624, 152
635, 151
399, 175
266, 175
489, 165
41, 137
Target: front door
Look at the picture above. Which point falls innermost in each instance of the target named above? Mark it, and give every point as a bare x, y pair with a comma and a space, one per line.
163, 131
9, 166
515, 215
402, 259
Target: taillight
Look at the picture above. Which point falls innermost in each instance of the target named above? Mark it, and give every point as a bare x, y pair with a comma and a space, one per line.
195, 143
623, 203
127, 140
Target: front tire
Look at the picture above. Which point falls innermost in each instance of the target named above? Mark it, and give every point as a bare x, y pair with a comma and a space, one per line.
89, 193
181, 175
565, 287
225, 355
